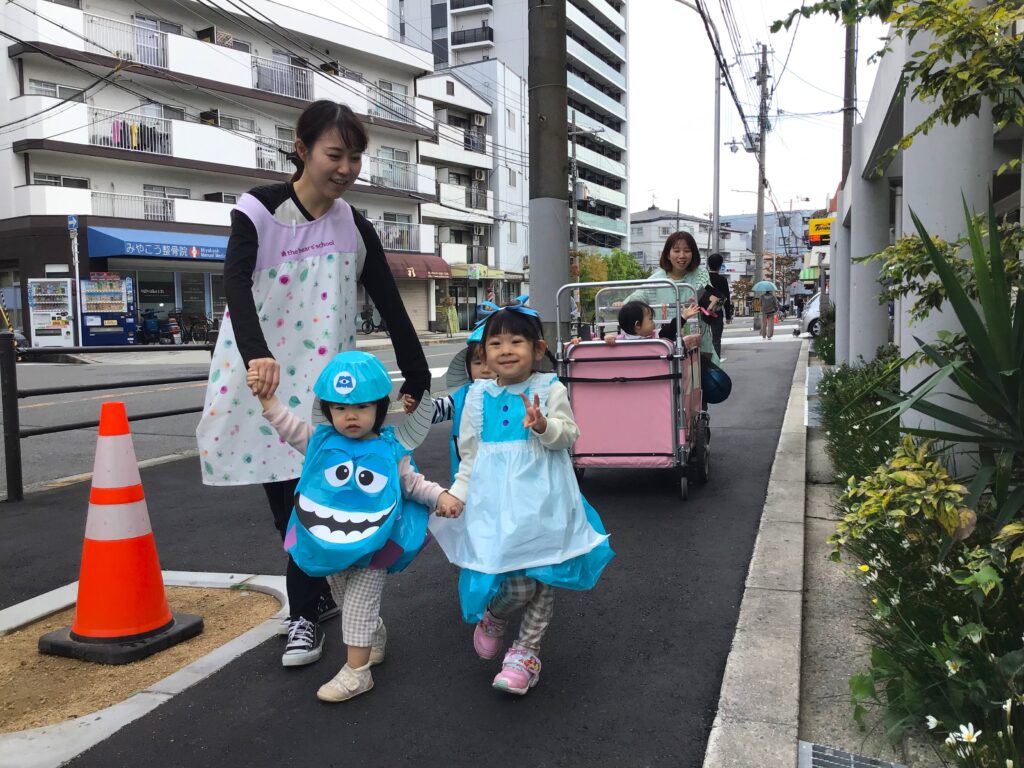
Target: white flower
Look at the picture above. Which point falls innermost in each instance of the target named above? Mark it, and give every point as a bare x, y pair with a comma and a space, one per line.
951, 740
953, 668
1009, 763
932, 722
895, 600
958, 620
968, 735
975, 637
1007, 705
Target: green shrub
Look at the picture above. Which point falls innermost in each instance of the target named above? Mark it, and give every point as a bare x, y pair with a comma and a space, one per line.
857, 437
825, 343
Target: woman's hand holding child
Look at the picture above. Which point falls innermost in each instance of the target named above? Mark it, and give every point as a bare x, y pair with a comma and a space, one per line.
534, 418
255, 380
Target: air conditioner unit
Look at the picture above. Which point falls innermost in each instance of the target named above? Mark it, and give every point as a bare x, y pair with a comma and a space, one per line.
221, 197
210, 117
478, 229
479, 174
480, 120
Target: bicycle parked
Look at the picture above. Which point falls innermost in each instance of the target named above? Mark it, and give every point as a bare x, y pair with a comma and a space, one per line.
369, 325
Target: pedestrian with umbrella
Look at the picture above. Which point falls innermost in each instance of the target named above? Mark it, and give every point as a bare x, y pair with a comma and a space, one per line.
769, 306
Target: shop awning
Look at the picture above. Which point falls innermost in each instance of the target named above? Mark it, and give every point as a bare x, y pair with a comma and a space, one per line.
477, 272
809, 273
418, 266
115, 241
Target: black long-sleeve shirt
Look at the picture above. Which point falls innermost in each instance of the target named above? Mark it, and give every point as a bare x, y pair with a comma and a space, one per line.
240, 263
721, 282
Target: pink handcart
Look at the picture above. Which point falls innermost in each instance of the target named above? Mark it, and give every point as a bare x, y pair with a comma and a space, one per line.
637, 402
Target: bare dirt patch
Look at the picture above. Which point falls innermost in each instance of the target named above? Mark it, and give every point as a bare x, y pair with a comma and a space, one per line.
41, 690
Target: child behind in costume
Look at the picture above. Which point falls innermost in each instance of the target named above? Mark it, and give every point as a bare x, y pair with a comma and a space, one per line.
526, 527
355, 512
636, 321
466, 367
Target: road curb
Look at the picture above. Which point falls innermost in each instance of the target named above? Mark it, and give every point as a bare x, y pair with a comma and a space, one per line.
52, 745
759, 703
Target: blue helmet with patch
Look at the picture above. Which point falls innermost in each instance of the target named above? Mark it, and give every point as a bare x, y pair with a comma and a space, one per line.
353, 377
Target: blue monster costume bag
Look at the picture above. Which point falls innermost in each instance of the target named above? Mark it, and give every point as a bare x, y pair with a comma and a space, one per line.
349, 509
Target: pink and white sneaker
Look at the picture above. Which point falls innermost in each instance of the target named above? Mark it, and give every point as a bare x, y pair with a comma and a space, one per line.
488, 636
520, 671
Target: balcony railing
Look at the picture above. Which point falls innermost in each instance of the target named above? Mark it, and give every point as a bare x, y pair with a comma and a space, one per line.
475, 141
476, 198
272, 154
398, 236
393, 174
456, 5
132, 206
281, 78
131, 131
476, 254
475, 35
128, 42
391, 105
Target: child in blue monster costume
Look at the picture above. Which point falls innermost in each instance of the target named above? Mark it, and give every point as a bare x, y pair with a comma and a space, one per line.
526, 527
361, 508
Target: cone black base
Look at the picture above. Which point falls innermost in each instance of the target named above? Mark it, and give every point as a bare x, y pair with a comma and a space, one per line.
122, 651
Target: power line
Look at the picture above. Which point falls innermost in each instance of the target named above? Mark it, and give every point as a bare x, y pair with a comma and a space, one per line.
792, 40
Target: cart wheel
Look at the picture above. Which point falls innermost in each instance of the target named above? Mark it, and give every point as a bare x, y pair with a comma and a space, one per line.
700, 454
684, 487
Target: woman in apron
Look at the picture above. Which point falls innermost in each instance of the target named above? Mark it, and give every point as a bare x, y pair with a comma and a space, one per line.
296, 252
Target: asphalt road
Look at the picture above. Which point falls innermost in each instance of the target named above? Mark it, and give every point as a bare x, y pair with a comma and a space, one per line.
46, 458
631, 672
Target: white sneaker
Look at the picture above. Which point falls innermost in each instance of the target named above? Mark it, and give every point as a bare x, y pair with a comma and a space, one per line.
346, 684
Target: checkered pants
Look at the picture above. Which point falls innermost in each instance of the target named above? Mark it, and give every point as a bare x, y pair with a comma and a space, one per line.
358, 592
539, 600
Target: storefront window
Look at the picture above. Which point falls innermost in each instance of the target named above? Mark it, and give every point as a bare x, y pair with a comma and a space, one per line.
220, 303
156, 291
193, 294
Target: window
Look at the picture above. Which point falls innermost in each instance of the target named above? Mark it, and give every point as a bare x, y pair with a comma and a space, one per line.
158, 24
241, 45
170, 193
68, 3
228, 197
637, 230
165, 111
449, 87
513, 233
511, 177
285, 133
510, 119
664, 230
390, 153
56, 180
244, 124
66, 92
398, 218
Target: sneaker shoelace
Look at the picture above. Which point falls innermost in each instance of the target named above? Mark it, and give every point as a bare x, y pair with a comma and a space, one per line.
300, 635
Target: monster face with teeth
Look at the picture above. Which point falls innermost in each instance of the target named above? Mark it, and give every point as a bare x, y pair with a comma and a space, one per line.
349, 508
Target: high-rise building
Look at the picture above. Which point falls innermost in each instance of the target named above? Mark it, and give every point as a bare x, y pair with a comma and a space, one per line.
460, 32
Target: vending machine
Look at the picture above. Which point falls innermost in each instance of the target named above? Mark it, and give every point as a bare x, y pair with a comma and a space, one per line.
51, 312
108, 312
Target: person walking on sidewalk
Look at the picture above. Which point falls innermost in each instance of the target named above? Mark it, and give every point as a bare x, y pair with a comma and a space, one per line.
769, 306
296, 252
361, 507
721, 282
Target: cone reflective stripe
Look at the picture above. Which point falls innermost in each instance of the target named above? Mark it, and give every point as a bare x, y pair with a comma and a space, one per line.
120, 588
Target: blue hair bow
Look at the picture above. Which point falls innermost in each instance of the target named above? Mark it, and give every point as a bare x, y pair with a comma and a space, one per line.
488, 308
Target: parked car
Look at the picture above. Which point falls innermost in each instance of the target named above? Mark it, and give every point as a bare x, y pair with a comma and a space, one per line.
810, 322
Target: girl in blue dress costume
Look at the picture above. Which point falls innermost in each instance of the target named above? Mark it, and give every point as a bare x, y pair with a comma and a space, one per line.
526, 528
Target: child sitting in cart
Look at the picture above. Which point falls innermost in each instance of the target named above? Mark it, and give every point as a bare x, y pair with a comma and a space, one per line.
636, 321
526, 527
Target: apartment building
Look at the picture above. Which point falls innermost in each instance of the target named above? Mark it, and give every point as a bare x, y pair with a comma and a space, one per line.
649, 229
460, 32
479, 156
148, 123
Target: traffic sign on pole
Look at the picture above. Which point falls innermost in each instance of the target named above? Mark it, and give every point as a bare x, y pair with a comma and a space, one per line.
72, 223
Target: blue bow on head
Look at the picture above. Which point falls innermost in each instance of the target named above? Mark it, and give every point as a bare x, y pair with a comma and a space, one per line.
488, 308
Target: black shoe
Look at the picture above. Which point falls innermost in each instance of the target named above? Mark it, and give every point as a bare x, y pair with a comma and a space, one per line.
305, 644
326, 608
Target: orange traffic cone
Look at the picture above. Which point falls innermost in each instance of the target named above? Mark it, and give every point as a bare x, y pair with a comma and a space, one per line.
122, 613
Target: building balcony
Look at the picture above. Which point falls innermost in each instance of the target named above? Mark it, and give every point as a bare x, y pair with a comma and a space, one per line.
594, 96
602, 223
457, 146
42, 200
458, 253
608, 17
593, 33
595, 64
464, 6
199, 143
217, 66
477, 37
406, 237
605, 194
458, 203
598, 162
607, 135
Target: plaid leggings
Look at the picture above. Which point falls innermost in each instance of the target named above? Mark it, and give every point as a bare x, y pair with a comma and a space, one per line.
539, 599
358, 592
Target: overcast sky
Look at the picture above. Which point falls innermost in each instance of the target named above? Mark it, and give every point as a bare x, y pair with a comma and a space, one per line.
671, 101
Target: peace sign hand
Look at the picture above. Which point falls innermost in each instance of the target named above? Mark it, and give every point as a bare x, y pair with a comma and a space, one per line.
534, 418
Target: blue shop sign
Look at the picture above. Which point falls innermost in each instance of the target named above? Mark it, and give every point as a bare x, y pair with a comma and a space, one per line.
115, 241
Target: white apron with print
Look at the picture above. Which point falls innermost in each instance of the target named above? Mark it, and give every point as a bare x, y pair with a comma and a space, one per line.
304, 286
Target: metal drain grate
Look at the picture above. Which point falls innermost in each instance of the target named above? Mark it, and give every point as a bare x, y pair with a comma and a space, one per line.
820, 756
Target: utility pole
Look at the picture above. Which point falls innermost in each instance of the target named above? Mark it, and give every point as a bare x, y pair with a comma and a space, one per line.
574, 192
762, 122
715, 236
549, 224
849, 97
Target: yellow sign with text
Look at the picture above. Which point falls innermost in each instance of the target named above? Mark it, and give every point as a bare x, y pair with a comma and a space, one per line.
819, 231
